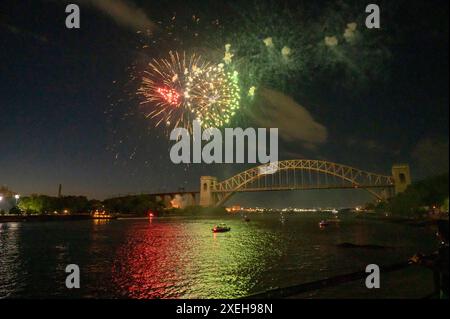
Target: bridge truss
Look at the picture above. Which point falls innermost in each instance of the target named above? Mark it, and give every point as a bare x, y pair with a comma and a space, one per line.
302, 175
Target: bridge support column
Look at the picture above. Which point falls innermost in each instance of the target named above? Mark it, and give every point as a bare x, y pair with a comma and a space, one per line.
167, 199
190, 199
207, 196
402, 177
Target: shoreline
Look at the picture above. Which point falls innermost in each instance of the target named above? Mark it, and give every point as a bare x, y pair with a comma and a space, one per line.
422, 222
415, 222
44, 218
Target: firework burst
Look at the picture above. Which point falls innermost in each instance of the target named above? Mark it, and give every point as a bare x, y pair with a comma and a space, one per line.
213, 95
163, 89
178, 90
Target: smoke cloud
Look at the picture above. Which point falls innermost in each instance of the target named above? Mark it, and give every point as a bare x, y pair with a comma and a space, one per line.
181, 201
125, 13
294, 121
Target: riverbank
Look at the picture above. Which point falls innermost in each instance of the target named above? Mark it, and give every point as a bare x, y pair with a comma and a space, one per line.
194, 211
43, 218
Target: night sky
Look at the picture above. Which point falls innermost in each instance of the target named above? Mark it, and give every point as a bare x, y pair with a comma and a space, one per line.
68, 113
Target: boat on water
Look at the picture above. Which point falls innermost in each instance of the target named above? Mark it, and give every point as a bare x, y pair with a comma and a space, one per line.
151, 213
221, 228
102, 215
246, 219
328, 222
323, 223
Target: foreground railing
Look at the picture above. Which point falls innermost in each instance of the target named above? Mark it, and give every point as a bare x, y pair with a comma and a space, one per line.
300, 289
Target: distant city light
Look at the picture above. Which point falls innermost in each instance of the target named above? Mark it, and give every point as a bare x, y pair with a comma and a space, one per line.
237, 209
1, 198
17, 196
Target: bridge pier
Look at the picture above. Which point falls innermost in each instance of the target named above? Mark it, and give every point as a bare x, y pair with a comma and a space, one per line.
191, 200
402, 177
167, 200
207, 196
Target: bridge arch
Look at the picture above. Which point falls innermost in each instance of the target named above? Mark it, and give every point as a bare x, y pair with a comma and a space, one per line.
349, 177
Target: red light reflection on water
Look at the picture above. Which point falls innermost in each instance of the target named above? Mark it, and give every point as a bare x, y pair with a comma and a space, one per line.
164, 258
151, 262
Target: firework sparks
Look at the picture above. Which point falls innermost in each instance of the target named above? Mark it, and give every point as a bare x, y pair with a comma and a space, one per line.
214, 95
331, 41
228, 55
268, 42
163, 89
251, 91
179, 90
171, 96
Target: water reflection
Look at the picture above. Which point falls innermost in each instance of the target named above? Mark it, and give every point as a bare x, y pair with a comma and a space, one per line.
101, 221
10, 261
181, 257
173, 260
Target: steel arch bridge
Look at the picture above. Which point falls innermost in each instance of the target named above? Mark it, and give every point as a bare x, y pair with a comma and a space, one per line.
299, 174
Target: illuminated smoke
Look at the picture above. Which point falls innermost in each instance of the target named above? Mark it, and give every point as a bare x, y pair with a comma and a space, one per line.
331, 41
349, 33
285, 52
268, 42
125, 13
180, 201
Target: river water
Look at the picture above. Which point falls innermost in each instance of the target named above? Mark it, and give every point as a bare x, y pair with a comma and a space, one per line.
181, 258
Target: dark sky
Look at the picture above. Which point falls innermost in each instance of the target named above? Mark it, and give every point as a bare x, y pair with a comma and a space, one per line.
58, 88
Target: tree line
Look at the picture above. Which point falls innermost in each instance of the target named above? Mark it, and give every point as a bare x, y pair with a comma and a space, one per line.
42, 204
419, 198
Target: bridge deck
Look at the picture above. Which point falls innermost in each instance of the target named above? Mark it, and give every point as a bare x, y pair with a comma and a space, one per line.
290, 188
175, 193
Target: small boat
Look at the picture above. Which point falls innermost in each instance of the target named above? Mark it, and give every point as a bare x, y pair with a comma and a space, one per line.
221, 228
324, 223
246, 219
102, 215
151, 213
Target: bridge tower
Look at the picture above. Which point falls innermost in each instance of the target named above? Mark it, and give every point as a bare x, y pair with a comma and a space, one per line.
402, 177
207, 196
